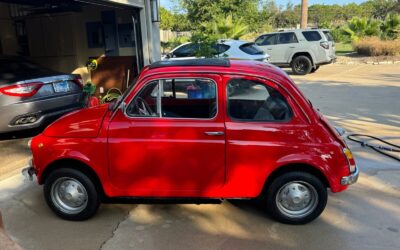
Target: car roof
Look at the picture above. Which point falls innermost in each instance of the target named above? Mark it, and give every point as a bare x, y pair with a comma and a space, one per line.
218, 62
294, 30
218, 66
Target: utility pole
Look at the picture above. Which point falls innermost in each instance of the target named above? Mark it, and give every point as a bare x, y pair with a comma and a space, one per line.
304, 14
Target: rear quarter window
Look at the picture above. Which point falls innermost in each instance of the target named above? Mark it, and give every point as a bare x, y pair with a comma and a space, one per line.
251, 49
328, 36
312, 36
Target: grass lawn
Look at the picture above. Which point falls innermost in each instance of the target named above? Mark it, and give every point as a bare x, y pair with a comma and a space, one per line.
343, 48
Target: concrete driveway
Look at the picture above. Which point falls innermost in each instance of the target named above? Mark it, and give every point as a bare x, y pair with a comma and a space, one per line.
362, 98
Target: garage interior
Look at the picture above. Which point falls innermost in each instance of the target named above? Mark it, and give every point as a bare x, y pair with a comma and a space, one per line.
63, 35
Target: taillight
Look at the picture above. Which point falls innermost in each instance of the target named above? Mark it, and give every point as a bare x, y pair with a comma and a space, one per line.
22, 90
350, 159
324, 45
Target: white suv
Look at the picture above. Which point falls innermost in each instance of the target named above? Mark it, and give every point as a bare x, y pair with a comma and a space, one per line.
232, 49
304, 50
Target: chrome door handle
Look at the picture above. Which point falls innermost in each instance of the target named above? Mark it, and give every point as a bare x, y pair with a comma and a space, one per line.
216, 133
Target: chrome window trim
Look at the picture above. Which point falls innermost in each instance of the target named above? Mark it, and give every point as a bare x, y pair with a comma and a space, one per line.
159, 100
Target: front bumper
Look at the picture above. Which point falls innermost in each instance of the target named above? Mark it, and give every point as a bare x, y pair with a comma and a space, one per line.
351, 179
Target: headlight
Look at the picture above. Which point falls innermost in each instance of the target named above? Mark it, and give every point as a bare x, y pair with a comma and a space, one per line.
350, 159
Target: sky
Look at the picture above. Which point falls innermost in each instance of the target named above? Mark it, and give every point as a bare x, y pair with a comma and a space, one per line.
169, 4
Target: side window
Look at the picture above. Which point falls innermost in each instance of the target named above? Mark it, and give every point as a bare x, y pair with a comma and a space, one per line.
254, 101
266, 40
312, 36
188, 98
186, 50
220, 48
285, 38
145, 103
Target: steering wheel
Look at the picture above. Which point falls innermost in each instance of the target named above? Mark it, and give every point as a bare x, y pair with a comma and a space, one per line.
142, 107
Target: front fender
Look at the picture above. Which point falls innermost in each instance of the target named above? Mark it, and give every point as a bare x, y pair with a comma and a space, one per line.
90, 151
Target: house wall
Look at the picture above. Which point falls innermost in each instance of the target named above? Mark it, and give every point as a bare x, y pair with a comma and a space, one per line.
8, 38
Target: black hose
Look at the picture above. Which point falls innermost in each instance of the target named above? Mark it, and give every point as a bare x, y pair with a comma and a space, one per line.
377, 148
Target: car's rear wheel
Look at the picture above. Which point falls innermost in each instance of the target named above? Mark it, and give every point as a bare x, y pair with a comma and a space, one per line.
314, 69
301, 65
71, 194
296, 198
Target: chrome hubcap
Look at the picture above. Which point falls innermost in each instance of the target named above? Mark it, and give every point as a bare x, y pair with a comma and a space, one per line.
69, 195
297, 199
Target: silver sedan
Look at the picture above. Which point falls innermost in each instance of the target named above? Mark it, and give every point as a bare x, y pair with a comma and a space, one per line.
32, 96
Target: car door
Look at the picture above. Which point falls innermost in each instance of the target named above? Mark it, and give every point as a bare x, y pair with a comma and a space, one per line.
287, 44
262, 127
268, 43
170, 141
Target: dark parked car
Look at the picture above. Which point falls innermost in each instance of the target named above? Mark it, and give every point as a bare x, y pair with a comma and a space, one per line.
32, 96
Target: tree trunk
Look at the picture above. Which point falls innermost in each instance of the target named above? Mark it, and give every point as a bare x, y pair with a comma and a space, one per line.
304, 14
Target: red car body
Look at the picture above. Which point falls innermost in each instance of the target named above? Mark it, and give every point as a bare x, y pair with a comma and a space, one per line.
160, 157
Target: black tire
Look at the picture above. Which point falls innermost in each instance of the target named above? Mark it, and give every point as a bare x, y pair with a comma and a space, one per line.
301, 65
275, 207
91, 204
314, 69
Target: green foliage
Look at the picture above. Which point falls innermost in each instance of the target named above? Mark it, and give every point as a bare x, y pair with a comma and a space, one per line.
89, 88
224, 27
390, 27
206, 44
202, 11
360, 27
173, 21
381, 8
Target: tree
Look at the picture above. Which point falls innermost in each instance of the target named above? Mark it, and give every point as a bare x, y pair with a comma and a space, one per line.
167, 19
381, 8
202, 11
390, 27
224, 27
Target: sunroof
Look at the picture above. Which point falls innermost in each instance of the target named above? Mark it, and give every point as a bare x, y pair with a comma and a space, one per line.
192, 62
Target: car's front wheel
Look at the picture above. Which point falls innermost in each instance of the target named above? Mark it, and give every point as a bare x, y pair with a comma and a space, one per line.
296, 198
301, 65
71, 194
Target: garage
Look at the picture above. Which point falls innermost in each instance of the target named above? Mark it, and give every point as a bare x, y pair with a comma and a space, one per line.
62, 35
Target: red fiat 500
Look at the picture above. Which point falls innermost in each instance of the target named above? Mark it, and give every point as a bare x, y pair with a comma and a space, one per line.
196, 130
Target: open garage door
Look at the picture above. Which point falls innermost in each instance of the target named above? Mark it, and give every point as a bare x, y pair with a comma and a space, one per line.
63, 35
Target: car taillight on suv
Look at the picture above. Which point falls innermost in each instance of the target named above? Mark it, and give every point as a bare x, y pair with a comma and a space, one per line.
324, 44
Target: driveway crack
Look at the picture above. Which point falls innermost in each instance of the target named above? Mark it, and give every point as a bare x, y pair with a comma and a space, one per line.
114, 230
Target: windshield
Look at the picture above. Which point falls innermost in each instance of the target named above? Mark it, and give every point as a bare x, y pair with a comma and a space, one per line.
113, 106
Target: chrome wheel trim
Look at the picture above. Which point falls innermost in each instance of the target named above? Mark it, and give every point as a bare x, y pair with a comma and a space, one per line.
296, 199
69, 195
